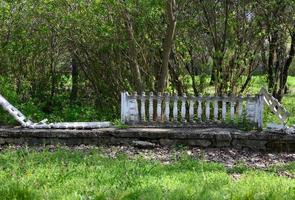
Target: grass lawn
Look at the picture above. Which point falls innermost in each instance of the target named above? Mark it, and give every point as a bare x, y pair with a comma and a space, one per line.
76, 174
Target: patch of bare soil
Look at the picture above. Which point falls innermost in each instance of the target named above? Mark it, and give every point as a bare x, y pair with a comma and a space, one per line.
226, 156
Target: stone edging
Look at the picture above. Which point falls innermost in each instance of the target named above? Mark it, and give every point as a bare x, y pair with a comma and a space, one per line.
202, 137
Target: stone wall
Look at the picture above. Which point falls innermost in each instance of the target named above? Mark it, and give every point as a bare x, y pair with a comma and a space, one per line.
148, 137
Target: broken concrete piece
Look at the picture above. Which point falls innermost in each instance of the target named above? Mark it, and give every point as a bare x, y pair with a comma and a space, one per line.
143, 144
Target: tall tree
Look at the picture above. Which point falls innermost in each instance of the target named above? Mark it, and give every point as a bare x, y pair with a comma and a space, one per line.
133, 52
167, 45
279, 24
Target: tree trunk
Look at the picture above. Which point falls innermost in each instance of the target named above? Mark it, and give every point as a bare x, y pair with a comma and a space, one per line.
167, 46
75, 76
136, 73
284, 73
270, 74
220, 48
175, 79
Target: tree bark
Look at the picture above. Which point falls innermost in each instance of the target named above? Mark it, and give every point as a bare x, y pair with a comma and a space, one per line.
167, 45
138, 83
270, 74
75, 76
174, 73
284, 73
219, 44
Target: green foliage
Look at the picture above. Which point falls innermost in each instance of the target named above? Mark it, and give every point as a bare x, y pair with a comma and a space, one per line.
241, 123
77, 174
40, 40
7, 91
292, 69
119, 124
61, 111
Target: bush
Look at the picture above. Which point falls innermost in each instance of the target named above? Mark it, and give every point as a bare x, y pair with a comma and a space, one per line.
292, 69
61, 111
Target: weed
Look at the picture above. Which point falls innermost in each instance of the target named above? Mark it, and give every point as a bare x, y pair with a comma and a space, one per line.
119, 124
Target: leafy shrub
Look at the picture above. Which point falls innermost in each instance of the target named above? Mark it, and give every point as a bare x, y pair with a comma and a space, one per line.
61, 110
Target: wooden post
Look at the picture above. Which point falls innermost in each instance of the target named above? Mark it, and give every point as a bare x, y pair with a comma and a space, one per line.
167, 107
261, 106
159, 105
224, 108
240, 106
200, 108
175, 110
250, 109
256, 109
142, 109
133, 108
151, 107
207, 108
232, 107
259, 110
124, 107
216, 98
191, 109
183, 108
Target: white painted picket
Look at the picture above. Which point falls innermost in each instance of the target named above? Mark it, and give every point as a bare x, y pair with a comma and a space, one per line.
181, 110
277, 108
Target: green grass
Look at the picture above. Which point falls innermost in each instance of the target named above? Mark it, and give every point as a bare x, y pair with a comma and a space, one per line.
289, 100
76, 174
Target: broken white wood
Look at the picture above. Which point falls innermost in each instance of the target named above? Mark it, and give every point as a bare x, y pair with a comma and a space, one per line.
124, 107
216, 108
167, 107
183, 107
207, 108
142, 109
71, 125
17, 115
232, 108
175, 110
251, 109
224, 108
14, 112
256, 108
240, 106
191, 109
133, 108
275, 106
200, 108
151, 107
260, 111
159, 106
